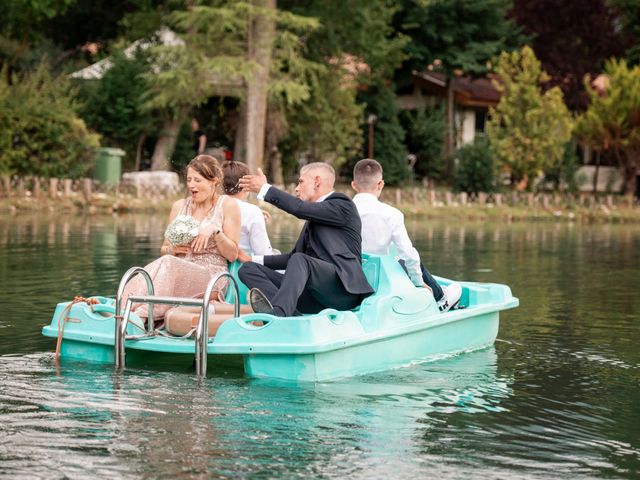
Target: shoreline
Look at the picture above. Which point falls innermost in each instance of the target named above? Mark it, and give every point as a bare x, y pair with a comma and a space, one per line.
109, 204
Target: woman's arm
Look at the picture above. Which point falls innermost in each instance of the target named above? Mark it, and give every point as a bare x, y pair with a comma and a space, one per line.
229, 236
167, 248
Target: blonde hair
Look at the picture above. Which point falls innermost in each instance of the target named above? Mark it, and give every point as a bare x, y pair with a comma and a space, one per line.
207, 166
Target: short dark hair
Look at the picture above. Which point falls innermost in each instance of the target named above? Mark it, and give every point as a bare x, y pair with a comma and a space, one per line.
233, 171
367, 173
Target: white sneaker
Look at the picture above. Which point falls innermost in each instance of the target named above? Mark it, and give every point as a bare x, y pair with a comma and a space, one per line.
451, 297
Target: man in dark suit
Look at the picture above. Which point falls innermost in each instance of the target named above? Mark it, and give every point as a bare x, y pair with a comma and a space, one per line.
324, 269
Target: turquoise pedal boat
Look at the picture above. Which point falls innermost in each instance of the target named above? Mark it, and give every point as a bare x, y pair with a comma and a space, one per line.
396, 326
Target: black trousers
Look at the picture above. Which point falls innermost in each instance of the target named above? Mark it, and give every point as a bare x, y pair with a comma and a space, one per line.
428, 279
308, 285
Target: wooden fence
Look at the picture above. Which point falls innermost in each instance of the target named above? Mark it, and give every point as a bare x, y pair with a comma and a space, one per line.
421, 195
85, 187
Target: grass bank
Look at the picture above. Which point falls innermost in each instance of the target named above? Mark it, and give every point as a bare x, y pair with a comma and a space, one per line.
592, 211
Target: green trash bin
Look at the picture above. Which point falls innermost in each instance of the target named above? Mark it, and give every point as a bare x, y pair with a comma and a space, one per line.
108, 165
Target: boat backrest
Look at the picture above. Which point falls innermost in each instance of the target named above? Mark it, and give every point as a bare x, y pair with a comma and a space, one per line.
233, 269
371, 268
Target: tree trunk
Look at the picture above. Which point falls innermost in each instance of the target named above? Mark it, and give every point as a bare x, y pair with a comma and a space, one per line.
166, 143
261, 34
239, 149
276, 128
6, 185
449, 144
596, 173
627, 160
630, 176
141, 139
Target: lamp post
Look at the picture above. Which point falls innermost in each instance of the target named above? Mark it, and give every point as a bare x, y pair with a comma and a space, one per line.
371, 120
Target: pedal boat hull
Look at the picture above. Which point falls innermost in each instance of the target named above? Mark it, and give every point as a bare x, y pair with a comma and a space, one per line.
395, 327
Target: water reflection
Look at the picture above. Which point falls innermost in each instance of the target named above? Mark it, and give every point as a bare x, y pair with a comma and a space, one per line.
557, 396
163, 423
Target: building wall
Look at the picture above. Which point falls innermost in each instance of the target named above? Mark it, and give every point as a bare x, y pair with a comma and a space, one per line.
465, 126
609, 179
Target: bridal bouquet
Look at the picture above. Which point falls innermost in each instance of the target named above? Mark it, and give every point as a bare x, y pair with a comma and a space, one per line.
182, 230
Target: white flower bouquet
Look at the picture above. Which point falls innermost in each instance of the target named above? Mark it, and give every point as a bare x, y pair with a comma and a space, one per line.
182, 230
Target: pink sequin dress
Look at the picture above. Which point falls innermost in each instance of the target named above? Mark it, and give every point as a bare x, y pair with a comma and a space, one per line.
185, 276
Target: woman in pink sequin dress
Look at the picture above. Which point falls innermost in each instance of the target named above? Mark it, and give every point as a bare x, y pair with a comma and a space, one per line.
185, 271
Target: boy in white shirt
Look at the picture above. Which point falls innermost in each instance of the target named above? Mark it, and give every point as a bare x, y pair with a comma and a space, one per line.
383, 225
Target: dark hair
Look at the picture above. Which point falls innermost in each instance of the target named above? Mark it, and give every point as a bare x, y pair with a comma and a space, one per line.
233, 171
366, 172
207, 166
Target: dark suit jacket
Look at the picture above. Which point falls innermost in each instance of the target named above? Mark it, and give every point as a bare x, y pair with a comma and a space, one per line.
333, 231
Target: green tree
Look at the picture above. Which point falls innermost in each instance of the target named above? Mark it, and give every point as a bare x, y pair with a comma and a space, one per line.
612, 121
327, 126
456, 37
563, 173
361, 30
528, 128
630, 10
358, 46
39, 124
246, 49
425, 129
388, 145
113, 105
22, 26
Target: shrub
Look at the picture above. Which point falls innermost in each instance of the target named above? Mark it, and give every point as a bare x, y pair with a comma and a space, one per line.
389, 148
425, 129
112, 105
476, 169
40, 132
563, 173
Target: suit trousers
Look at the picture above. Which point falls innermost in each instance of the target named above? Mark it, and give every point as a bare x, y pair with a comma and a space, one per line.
308, 285
428, 279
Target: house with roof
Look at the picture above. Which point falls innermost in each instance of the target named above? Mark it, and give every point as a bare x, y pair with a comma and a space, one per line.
472, 99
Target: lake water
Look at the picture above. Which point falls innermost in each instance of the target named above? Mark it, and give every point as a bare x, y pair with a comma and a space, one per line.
558, 396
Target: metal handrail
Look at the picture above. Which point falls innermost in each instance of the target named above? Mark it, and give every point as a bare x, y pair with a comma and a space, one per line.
202, 330
121, 321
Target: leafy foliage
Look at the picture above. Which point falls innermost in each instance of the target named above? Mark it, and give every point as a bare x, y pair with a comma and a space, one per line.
612, 121
570, 49
563, 173
40, 127
22, 21
425, 129
361, 29
389, 148
112, 106
326, 127
630, 10
461, 34
213, 58
528, 128
476, 170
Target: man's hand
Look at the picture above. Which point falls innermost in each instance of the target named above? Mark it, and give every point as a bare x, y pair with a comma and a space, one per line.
253, 183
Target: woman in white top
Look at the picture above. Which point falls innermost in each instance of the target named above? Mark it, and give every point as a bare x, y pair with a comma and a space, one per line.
253, 230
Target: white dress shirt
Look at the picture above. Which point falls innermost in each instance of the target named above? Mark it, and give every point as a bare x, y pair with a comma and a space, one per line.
383, 225
253, 230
